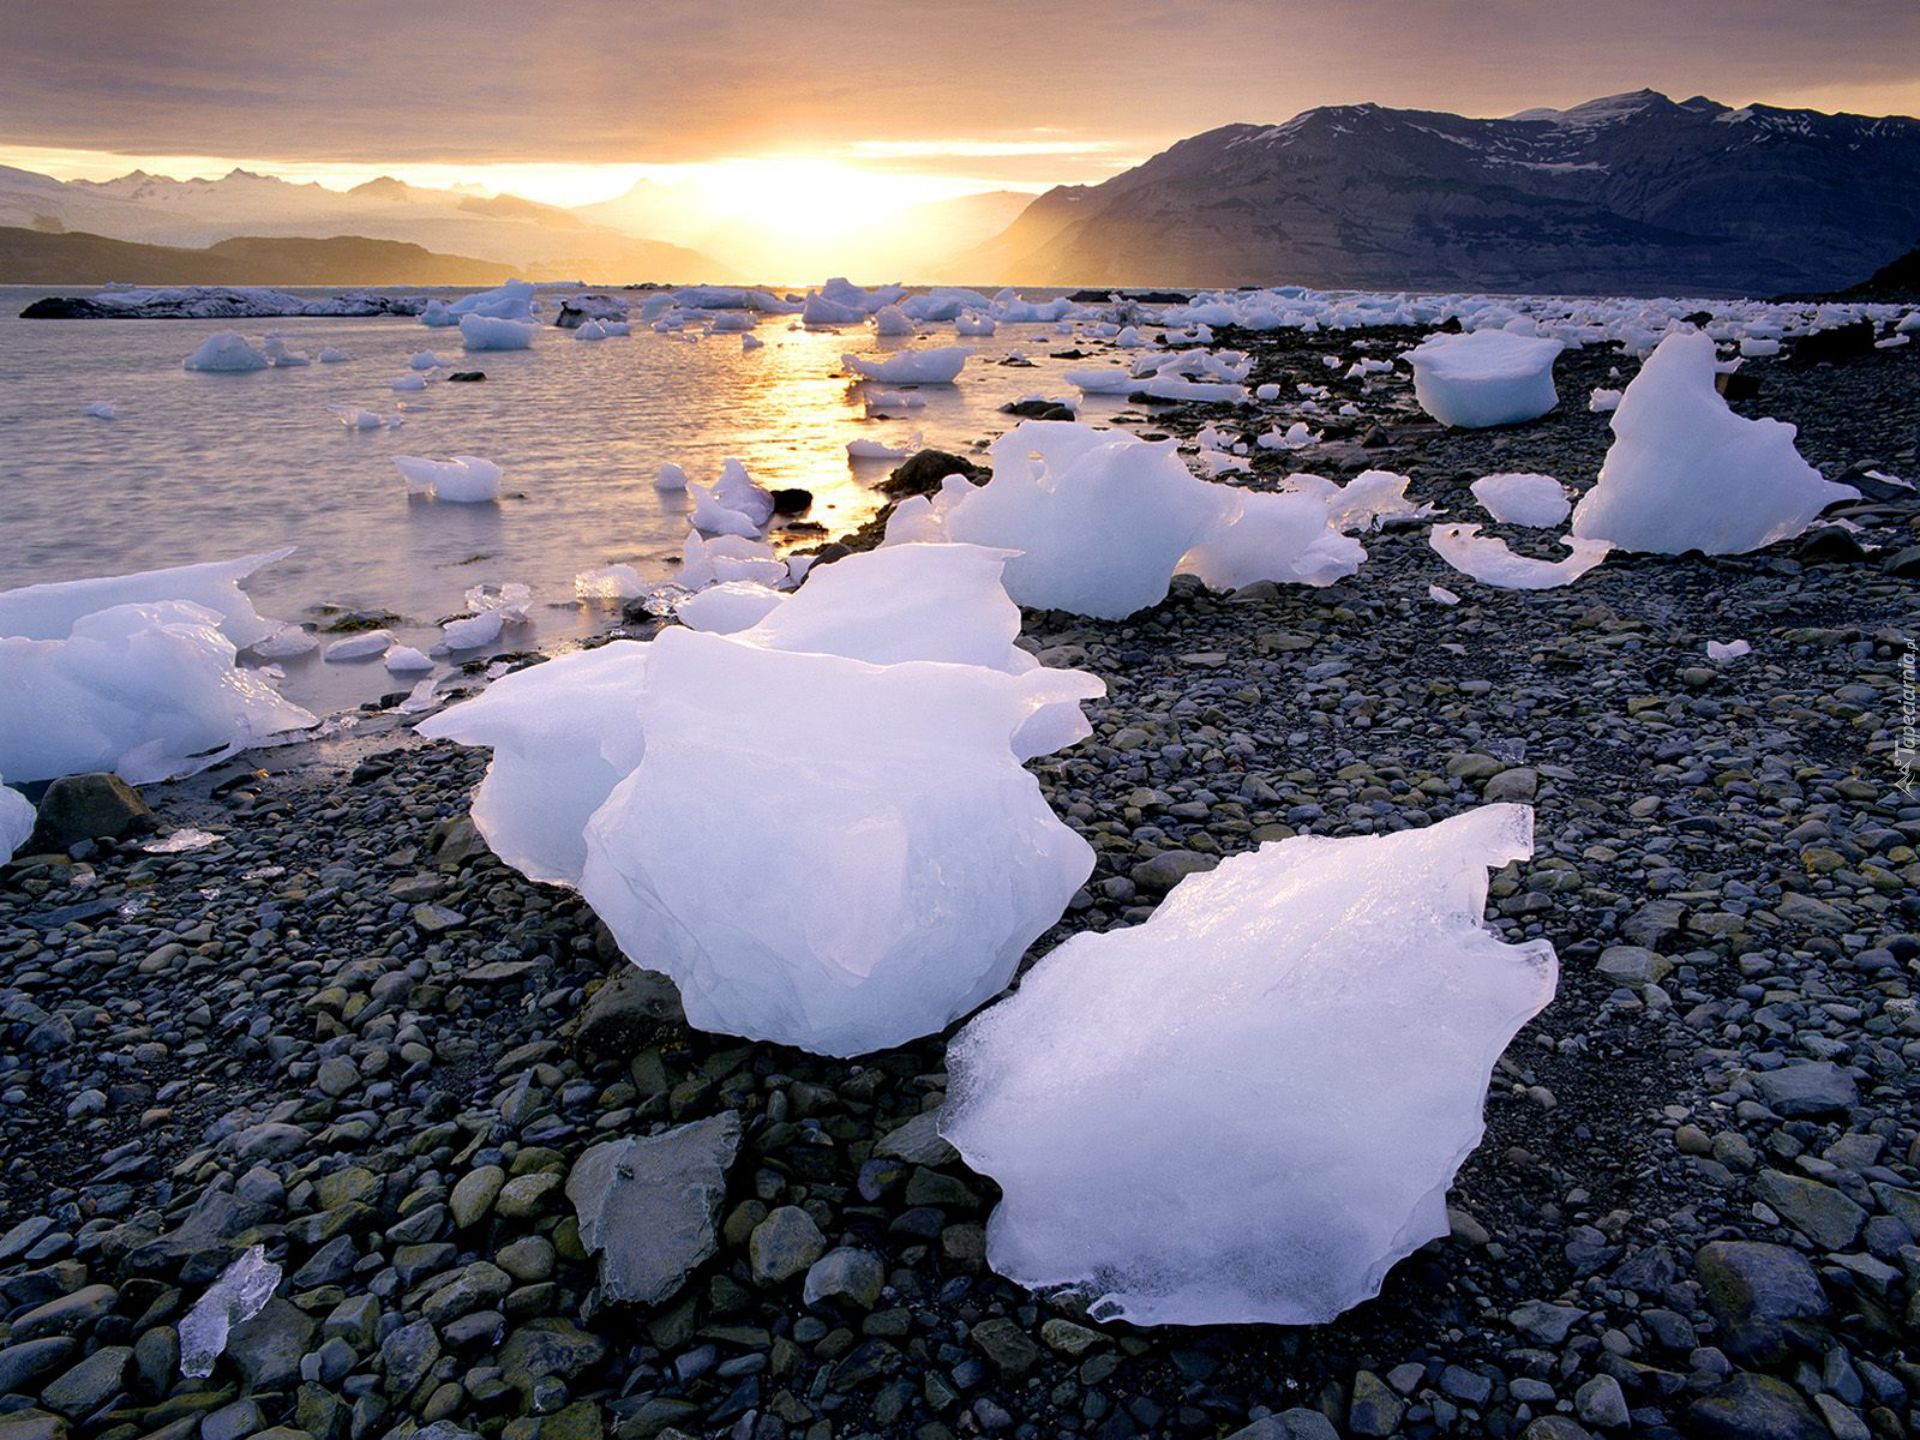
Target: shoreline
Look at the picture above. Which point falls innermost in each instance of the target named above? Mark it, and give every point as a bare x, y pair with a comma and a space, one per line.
1629, 1127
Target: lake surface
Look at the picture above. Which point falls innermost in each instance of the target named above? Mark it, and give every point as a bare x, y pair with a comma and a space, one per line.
209, 466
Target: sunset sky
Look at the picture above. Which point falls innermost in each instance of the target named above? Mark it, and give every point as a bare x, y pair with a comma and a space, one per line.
885, 102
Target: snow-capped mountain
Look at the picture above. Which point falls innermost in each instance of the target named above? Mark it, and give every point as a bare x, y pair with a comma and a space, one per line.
542, 240
1630, 194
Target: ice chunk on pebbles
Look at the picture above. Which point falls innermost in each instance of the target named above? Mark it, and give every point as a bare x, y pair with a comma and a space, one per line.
241, 1292
16, 821
1485, 378
1490, 560
149, 691
1250, 1107
889, 796
1286, 537
1523, 499
1686, 473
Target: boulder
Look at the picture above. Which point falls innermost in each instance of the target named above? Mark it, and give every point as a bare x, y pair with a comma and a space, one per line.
649, 1206
626, 1013
98, 806
1766, 1298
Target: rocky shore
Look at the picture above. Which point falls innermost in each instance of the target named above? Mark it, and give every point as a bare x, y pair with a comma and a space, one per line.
430, 1089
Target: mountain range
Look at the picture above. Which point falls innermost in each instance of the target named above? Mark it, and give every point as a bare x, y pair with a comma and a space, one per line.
1632, 194
529, 239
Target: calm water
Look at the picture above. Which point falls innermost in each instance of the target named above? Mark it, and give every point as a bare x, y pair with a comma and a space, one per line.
203, 467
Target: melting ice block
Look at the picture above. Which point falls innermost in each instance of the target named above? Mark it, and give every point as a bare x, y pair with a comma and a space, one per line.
912, 367
149, 691
1287, 537
1490, 560
225, 353
1250, 1107
48, 612
565, 732
1100, 519
16, 821
826, 853
1686, 473
488, 332
1523, 499
241, 1292
465, 479
1487, 377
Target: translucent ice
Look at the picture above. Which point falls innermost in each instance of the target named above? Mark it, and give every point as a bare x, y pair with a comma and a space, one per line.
826, 853
1250, 1107
486, 332
1287, 537
465, 479
226, 352
1523, 499
1686, 473
1490, 560
150, 691
48, 612
1488, 377
241, 1292
912, 367
16, 821
1101, 518
727, 607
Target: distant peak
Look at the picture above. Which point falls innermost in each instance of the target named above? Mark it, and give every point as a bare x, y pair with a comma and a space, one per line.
1605, 110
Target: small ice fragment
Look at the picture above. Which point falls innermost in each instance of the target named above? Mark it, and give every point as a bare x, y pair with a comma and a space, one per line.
101, 410
1443, 595
241, 1292
1720, 653
285, 643
671, 477
1523, 499
423, 360
402, 659
1491, 561
359, 647
17, 819
873, 450
179, 842
332, 355
609, 582
408, 383
228, 352
1603, 402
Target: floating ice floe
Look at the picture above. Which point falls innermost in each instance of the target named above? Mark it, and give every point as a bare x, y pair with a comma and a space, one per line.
494, 608
1250, 1107
973, 325
940, 366
463, 480
50, 611
609, 582
511, 301
486, 332
354, 418
1523, 499
671, 477
889, 321
423, 360
1686, 473
409, 383
1491, 561
102, 410
1101, 519
1488, 377
713, 516
16, 821
225, 353
241, 1292
332, 355
890, 794
274, 347
363, 646
403, 659
285, 643
1722, 653
874, 450
149, 691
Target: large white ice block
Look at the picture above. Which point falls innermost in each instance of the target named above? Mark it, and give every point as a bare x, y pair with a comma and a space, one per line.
1488, 377
1250, 1107
48, 612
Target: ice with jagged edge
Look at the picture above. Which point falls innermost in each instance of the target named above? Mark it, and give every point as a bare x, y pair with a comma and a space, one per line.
1491, 561
1286, 536
229, 352
241, 1292
1484, 378
1101, 519
16, 821
563, 733
149, 691
826, 853
938, 366
1685, 472
463, 480
48, 611
1250, 1107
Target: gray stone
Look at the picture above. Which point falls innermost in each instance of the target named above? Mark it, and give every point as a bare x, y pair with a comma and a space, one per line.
650, 1206
783, 1245
22, 1365
846, 1275
1654, 922
1519, 783
1542, 1323
266, 1349
408, 1354
1755, 1407
1005, 1345
89, 807
1298, 1423
548, 1346
1811, 1087
626, 1014
1820, 1212
1764, 1296
474, 1194
65, 1315
918, 1142
1633, 965
90, 1384
1169, 868
1600, 1402
1554, 1427
1374, 1410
